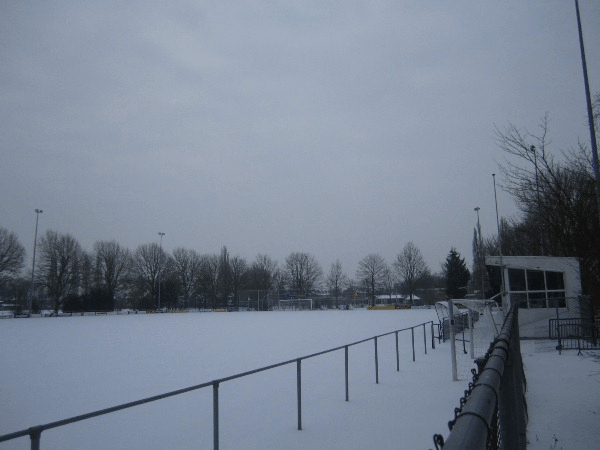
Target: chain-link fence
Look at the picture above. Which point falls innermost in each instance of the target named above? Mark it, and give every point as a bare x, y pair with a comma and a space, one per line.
493, 413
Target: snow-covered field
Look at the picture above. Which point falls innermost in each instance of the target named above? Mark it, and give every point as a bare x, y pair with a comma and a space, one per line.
55, 368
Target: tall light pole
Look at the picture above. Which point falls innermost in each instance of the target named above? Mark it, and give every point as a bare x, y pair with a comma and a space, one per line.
161, 234
480, 254
497, 216
590, 111
37, 217
504, 301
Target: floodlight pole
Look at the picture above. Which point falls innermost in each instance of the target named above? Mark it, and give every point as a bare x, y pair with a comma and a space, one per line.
480, 256
497, 216
37, 216
161, 234
500, 246
589, 110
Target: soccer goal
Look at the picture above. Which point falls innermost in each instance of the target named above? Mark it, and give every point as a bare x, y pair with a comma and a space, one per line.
244, 304
297, 304
470, 325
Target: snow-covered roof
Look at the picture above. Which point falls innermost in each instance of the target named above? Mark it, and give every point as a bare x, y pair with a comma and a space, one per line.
396, 297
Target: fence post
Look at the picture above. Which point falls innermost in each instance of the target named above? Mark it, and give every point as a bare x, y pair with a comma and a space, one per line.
346, 357
471, 334
376, 362
299, 389
559, 347
412, 331
35, 434
425, 338
432, 337
216, 415
452, 340
397, 354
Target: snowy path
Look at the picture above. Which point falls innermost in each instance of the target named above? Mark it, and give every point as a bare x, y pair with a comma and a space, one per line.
563, 397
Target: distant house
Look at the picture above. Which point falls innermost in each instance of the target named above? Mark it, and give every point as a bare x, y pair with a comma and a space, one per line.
544, 287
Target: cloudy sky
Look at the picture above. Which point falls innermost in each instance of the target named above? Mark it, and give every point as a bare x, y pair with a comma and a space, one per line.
338, 128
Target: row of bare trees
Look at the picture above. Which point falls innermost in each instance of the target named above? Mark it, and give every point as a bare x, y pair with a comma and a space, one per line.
557, 202
111, 276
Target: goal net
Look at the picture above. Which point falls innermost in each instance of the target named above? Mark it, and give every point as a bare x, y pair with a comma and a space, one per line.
470, 325
297, 304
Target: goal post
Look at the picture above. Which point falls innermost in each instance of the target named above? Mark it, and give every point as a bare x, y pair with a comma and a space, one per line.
296, 304
470, 325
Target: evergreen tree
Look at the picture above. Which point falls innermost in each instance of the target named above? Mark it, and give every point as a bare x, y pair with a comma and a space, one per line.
457, 275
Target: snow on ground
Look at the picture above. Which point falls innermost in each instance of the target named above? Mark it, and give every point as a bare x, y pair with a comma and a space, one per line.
54, 368
563, 397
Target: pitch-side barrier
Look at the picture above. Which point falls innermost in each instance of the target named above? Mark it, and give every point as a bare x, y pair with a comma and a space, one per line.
35, 432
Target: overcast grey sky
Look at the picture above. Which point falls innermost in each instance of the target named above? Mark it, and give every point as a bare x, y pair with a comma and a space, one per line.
338, 128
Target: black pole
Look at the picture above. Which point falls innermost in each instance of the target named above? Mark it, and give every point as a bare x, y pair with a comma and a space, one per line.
376, 362
589, 110
412, 332
37, 217
216, 415
397, 354
346, 372
299, 391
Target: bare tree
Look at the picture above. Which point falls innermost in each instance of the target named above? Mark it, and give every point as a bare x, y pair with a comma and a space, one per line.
389, 282
263, 273
239, 270
112, 267
336, 280
411, 268
556, 198
88, 275
12, 255
209, 279
303, 272
224, 276
187, 271
58, 269
371, 272
146, 266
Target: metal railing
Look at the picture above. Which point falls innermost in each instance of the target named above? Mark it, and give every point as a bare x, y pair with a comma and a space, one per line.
35, 432
493, 413
575, 333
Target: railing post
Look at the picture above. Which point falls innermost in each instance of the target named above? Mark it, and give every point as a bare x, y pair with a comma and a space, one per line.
216, 415
425, 338
35, 434
346, 371
397, 354
432, 337
376, 362
559, 347
412, 331
299, 391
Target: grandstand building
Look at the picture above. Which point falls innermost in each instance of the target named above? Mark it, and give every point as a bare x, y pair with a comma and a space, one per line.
544, 287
